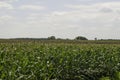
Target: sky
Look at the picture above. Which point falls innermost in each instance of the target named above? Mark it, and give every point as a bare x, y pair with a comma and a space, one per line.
60, 18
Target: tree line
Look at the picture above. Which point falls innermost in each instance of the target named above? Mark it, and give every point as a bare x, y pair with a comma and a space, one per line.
53, 38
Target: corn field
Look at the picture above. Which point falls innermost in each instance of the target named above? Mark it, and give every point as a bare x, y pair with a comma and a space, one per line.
59, 61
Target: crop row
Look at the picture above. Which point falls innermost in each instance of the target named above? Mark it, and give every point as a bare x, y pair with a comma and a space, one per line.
37, 61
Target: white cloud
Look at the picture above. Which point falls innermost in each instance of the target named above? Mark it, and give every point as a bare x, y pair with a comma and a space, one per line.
5, 5
106, 6
32, 7
8, 0
6, 19
97, 19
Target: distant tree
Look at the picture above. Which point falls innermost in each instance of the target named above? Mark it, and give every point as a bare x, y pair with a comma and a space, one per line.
60, 39
51, 38
81, 38
95, 38
67, 39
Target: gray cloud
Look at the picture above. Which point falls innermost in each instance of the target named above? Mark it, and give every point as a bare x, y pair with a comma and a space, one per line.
107, 10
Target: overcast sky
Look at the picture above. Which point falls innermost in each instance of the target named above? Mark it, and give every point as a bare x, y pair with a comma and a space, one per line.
61, 18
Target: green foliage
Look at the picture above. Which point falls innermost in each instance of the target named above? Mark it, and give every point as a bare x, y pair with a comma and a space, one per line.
52, 61
51, 38
105, 78
81, 38
117, 76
